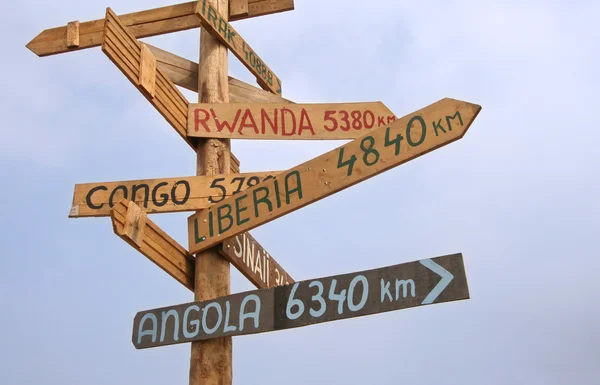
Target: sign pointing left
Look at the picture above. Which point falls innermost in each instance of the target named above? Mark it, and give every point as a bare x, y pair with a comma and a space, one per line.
306, 303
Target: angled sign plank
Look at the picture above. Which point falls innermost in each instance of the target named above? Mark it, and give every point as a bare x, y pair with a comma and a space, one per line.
375, 152
164, 195
76, 36
133, 226
214, 23
125, 52
253, 261
403, 286
285, 121
184, 73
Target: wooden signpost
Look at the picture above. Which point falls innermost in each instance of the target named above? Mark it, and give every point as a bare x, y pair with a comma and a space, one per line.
382, 149
164, 195
419, 283
227, 203
285, 121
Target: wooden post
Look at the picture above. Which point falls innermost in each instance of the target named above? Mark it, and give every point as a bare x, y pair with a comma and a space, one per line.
210, 362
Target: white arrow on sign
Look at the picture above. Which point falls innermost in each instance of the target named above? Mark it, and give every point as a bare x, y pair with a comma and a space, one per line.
447, 277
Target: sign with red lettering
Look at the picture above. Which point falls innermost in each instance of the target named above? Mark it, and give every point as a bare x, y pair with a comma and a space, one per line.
286, 121
377, 151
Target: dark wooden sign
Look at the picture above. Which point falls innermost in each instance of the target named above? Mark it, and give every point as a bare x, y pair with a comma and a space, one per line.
252, 260
377, 151
424, 282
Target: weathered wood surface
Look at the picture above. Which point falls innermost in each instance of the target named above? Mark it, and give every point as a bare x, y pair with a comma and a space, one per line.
162, 195
419, 283
315, 121
124, 51
133, 226
213, 22
379, 150
211, 361
184, 73
254, 262
146, 23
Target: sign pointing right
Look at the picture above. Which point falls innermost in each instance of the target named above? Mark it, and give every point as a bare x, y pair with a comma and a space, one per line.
377, 151
306, 303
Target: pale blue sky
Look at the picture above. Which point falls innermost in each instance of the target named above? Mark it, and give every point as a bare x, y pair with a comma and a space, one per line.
518, 196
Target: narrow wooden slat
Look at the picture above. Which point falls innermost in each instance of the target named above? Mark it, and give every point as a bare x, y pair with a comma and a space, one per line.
184, 73
146, 23
155, 244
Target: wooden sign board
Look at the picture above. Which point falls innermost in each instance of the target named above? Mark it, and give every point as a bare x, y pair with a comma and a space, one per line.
133, 226
375, 152
125, 52
164, 195
214, 23
152, 22
285, 121
253, 261
419, 283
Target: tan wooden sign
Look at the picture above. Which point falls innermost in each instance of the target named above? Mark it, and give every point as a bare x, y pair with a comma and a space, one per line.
218, 26
133, 226
379, 150
157, 21
163, 195
407, 285
285, 121
253, 261
127, 54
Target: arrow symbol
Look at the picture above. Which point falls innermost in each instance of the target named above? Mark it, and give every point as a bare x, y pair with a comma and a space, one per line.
447, 277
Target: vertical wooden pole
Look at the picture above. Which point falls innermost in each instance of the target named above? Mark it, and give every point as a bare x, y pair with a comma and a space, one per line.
210, 362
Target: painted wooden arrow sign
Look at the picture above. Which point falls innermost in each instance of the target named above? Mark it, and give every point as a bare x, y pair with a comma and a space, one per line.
163, 195
76, 36
253, 261
215, 24
375, 152
419, 283
132, 225
285, 121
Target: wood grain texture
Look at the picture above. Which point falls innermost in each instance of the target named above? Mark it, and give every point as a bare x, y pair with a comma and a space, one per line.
238, 8
146, 23
381, 149
147, 79
211, 361
161, 195
152, 242
73, 34
216, 24
403, 286
184, 73
124, 51
316, 121
254, 262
